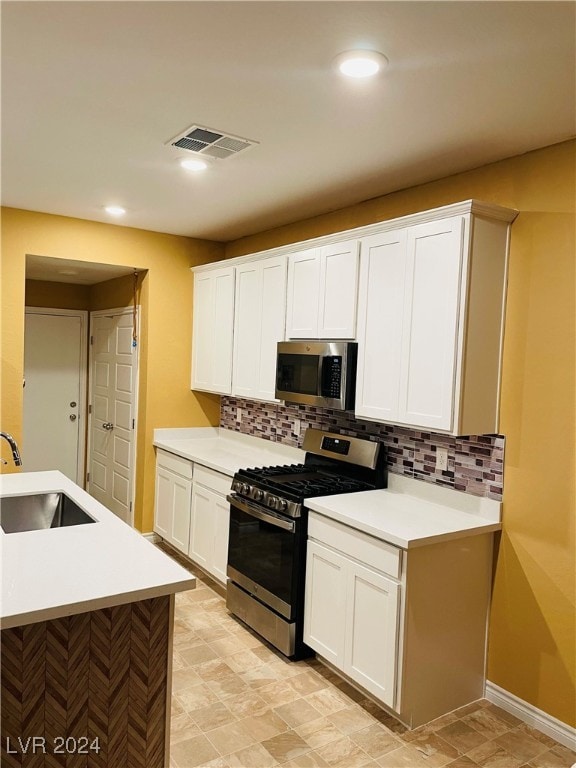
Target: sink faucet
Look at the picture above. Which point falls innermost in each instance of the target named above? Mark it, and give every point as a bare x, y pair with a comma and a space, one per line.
14, 447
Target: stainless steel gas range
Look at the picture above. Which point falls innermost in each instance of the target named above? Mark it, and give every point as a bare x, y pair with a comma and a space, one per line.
268, 530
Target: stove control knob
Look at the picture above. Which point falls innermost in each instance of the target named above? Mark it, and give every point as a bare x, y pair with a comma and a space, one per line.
257, 494
245, 489
271, 501
236, 485
281, 505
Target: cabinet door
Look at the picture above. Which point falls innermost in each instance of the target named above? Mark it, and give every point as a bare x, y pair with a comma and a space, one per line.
338, 291
273, 321
202, 527
213, 330
325, 602
380, 314
430, 344
303, 294
247, 329
221, 531
260, 313
371, 646
172, 508
201, 331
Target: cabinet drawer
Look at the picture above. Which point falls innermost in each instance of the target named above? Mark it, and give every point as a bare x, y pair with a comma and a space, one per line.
173, 463
209, 478
365, 549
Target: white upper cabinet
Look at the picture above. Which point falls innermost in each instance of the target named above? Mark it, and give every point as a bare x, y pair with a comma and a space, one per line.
380, 317
260, 311
424, 295
213, 330
431, 306
303, 294
430, 323
322, 292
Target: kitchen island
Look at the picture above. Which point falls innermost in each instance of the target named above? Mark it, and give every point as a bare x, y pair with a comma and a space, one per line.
86, 616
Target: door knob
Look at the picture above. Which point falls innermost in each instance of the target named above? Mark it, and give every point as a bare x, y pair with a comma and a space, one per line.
72, 417
107, 425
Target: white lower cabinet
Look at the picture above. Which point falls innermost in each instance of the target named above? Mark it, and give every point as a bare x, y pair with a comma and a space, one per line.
191, 512
172, 499
325, 615
407, 626
209, 522
351, 615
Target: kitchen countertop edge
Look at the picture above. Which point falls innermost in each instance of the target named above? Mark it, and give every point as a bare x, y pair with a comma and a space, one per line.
112, 564
224, 450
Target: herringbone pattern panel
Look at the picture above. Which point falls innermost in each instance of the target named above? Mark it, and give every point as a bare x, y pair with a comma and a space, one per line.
94, 676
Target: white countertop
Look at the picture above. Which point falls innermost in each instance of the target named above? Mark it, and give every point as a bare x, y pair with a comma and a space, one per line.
47, 574
411, 513
224, 450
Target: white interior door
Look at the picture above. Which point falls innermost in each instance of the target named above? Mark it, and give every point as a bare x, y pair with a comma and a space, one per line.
113, 388
54, 394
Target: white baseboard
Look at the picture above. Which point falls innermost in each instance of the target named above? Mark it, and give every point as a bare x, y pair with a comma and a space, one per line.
153, 537
529, 714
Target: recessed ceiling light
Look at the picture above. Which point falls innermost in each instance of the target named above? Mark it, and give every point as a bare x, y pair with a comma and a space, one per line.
360, 63
115, 210
194, 164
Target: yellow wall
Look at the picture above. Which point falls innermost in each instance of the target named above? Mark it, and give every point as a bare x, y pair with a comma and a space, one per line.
532, 637
165, 399
43, 293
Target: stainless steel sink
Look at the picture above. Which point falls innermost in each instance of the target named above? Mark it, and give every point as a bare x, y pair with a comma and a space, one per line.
41, 510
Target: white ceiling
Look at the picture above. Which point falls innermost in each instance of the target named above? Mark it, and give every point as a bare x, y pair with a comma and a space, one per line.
92, 91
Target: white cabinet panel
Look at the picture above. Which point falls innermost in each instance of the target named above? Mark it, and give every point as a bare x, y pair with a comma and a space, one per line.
163, 506
372, 632
212, 335
247, 325
325, 602
338, 290
322, 292
430, 338
202, 526
273, 323
303, 294
210, 521
221, 532
382, 288
258, 326
172, 507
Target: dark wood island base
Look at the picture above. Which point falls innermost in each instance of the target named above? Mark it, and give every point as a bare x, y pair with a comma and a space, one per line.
90, 689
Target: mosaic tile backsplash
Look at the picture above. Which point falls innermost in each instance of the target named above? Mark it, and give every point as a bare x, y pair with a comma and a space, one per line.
475, 463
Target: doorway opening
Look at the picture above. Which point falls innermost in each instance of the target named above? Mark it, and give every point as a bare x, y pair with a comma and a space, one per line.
102, 298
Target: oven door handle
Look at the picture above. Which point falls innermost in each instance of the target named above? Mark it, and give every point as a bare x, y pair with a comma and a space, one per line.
254, 511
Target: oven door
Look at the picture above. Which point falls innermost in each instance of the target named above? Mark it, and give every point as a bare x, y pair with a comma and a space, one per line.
264, 554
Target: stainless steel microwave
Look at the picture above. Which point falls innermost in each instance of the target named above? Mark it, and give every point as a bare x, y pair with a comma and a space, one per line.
319, 373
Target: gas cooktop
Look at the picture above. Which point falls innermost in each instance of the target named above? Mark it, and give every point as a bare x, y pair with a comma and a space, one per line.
333, 464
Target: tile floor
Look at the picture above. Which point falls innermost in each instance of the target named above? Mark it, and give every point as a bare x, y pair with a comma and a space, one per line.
237, 703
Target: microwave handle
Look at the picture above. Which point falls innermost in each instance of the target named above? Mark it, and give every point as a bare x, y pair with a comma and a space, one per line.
254, 511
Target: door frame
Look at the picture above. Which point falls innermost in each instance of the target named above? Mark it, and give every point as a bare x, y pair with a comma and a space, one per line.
117, 311
82, 314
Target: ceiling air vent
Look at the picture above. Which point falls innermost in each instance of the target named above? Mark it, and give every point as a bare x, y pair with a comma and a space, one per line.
206, 141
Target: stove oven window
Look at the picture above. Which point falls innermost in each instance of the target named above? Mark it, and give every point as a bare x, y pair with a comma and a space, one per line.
265, 554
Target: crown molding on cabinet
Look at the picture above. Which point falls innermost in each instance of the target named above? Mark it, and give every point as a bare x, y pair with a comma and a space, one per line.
463, 208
